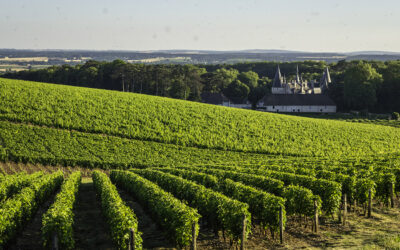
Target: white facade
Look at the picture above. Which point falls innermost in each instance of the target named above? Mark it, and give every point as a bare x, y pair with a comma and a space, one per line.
225, 104
302, 109
241, 105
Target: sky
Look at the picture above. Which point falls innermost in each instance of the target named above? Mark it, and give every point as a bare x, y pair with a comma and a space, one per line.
301, 25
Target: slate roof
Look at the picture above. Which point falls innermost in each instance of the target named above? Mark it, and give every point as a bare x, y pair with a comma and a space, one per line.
213, 98
298, 100
325, 79
278, 79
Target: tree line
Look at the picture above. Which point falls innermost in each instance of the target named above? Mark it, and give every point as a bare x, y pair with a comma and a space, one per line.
356, 85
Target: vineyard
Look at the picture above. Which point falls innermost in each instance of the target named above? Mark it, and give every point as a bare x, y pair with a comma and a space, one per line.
87, 169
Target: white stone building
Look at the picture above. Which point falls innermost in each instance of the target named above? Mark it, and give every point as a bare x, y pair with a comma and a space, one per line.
298, 95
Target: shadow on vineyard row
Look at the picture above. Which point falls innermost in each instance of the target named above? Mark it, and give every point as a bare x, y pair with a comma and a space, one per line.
91, 231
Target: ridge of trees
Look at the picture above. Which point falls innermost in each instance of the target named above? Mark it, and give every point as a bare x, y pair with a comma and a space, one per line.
356, 85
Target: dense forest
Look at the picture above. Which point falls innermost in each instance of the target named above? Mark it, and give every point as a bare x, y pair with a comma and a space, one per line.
356, 85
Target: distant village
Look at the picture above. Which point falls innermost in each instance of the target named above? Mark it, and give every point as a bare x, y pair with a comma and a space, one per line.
297, 95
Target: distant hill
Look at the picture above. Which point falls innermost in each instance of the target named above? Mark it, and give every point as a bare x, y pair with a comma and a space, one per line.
58, 57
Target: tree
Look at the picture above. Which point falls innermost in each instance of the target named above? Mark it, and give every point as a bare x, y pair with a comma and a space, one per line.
263, 88
119, 72
179, 89
360, 84
88, 75
193, 80
237, 91
389, 93
220, 79
249, 78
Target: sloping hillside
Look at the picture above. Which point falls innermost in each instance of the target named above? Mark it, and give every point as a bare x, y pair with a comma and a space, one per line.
157, 119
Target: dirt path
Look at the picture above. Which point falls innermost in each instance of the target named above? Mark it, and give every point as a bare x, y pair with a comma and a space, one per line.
31, 235
382, 231
90, 229
152, 234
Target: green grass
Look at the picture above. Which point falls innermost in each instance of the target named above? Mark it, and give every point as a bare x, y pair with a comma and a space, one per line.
50, 146
183, 123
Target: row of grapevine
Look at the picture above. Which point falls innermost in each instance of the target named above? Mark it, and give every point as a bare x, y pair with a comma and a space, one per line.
59, 218
385, 178
18, 210
12, 184
120, 218
329, 191
265, 206
382, 177
348, 182
175, 217
267, 184
298, 200
188, 123
221, 211
50, 146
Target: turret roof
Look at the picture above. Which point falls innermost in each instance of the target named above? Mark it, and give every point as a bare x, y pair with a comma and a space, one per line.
277, 83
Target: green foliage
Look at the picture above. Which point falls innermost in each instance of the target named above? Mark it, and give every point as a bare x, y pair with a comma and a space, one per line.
329, 191
265, 183
149, 118
68, 148
188, 81
390, 90
215, 207
249, 78
120, 218
360, 84
237, 91
384, 181
220, 79
206, 180
12, 184
363, 187
263, 205
175, 217
395, 116
17, 211
300, 201
59, 218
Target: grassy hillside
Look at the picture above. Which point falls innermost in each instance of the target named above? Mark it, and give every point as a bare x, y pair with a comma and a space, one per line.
306, 160
157, 119
26, 143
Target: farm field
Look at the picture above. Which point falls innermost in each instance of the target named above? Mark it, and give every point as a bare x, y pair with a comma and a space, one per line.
373, 119
93, 233
187, 123
181, 173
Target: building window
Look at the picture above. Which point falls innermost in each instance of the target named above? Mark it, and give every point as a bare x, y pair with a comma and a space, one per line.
273, 107
298, 110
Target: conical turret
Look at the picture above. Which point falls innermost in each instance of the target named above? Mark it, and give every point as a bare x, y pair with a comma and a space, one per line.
325, 80
297, 75
277, 79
